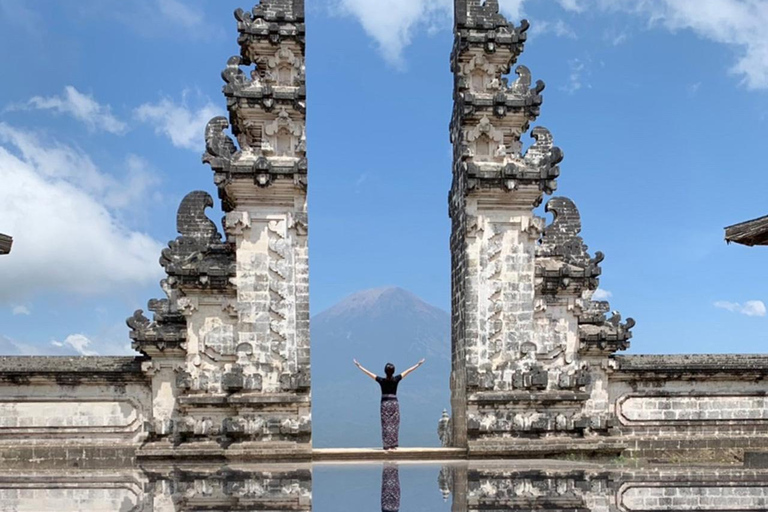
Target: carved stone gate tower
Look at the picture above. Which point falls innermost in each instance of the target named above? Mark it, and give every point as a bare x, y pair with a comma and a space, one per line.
229, 346
527, 340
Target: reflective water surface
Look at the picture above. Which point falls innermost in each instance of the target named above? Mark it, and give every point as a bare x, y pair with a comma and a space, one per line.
550, 486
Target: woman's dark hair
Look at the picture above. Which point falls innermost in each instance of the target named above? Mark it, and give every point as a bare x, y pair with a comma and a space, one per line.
389, 369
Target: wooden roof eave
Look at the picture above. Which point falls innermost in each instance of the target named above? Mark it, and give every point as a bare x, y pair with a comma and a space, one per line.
753, 232
5, 244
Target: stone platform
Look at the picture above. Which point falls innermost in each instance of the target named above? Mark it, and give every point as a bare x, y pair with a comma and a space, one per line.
377, 454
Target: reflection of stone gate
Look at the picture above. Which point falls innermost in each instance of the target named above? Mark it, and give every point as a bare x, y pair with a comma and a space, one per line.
225, 371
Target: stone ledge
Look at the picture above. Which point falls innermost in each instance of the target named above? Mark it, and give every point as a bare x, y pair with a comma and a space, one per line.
63, 364
744, 366
491, 397
67, 456
524, 448
244, 399
71, 371
208, 451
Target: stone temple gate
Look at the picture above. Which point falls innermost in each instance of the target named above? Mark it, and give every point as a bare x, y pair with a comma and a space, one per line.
225, 365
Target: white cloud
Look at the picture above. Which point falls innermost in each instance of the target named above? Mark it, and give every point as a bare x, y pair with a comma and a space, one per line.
182, 124
739, 24
152, 18
392, 23
512, 9
616, 36
77, 343
55, 202
558, 28
736, 23
56, 161
83, 108
577, 79
22, 15
109, 340
21, 310
183, 14
601, 294
571, 5
749, 308
693, 89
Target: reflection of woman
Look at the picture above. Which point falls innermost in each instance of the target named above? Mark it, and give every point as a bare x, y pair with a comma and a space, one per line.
390, 408
390, 488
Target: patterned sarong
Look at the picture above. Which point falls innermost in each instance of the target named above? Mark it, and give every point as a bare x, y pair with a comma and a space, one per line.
390, 423
390, 488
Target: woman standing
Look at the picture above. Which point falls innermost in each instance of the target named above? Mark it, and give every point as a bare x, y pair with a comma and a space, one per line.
390, 408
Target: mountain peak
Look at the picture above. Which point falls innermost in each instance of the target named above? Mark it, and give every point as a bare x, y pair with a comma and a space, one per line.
378, 300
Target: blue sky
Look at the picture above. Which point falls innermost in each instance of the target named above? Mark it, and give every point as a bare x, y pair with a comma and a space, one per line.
661, 108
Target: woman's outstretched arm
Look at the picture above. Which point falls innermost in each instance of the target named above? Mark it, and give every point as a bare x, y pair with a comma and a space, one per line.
412, 368
370, 374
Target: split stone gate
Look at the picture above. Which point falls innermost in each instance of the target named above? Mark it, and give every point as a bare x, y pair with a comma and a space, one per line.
225, 366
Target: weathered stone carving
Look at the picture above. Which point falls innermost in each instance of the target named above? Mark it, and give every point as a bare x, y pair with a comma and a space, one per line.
218, 145
236, 377
523, 319
195, 260
267, 110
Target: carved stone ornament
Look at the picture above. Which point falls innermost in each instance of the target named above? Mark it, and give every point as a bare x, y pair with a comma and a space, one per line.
284, 136
219, 147
486, 142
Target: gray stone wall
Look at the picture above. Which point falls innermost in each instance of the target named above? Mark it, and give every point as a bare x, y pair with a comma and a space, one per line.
678, 406
72, 411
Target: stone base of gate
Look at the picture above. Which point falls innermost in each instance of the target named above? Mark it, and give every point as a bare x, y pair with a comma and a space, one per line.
246, 452
516, 448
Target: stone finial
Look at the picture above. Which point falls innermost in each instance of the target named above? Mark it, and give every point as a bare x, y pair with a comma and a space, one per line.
272, 20
444, 429
277, 10
543, 153
169, 332
198, 258
445, 481
138, 322
522, 85
603, 336
218, 145
561, 237
233, 74
478, 12
191, 221
563, 264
